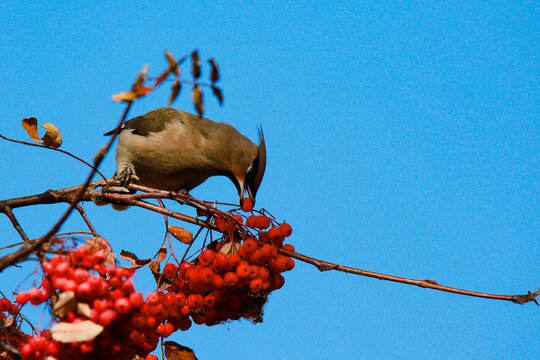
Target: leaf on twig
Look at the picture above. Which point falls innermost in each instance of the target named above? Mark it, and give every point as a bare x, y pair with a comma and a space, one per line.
173, 65
133, 259
141, 77
217, 93
161, 77
30, 125
52, 136
214, 72
97, 244
137, 90
197, 96
125, 96
75, 332
175, 90
195, 64
64, 303
180, 234
142, 90
175, 351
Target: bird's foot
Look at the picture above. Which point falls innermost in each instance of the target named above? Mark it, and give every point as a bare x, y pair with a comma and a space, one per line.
125, 177
184, 192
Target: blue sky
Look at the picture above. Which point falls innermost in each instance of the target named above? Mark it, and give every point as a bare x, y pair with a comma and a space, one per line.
402, 137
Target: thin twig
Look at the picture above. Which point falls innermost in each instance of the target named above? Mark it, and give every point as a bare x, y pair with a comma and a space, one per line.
7, 210
29, 248
429, 284
55, 149
81, 211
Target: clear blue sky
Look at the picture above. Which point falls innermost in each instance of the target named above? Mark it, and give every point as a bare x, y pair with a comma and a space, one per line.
402, 138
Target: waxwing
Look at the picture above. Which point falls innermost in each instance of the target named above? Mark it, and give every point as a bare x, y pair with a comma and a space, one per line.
173, 150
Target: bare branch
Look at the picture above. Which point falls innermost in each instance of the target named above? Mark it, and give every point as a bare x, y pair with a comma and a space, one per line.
429, 284
55, 149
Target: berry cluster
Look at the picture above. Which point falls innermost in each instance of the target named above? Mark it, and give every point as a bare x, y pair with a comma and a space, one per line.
89, 288
230, 279
10, 332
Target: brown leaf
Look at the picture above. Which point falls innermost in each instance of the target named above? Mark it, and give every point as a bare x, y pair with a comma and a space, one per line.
125, 96
180, 234
142, 90
30, 125
64, 303
217, 93
133, 259
173, 65
96, 244
52, 136
195, 64
214, 73
197, 96
175, 351
84, 309
141, 77
175, 90
75, 332
161, 77
162, 254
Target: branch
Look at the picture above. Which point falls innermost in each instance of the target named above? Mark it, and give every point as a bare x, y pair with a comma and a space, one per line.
55, 149
29, 248
429, 284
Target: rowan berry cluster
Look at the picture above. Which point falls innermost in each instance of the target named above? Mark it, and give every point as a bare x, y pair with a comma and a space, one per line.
231, 279
83, 286
10, 332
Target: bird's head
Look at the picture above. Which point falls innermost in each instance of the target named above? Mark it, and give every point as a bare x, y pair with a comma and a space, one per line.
254, 174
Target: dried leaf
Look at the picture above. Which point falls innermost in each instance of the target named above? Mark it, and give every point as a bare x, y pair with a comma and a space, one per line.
52, 136
162, 254
161, 77
197, 96
83, 309
141, 77
8, 321
217, 93
173, 65
30, 125
97, 244
181, 234
175, 90
75, 332
64, 303
195, 64
175, 351
125, 96
142, 90
132, 258
214, 73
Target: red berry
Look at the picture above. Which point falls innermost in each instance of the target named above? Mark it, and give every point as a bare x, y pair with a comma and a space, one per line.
151, 357
256, 284
230, 279
107, 317
242, 271
122, 305
170, 270
5, 304
164, 330
247, 204
206, 275
233, 260
286, 229
194, 301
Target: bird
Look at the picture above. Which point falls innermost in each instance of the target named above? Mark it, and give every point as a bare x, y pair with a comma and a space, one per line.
173, 150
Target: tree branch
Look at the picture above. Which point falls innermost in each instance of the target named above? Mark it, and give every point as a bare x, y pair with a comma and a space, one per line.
429, 284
